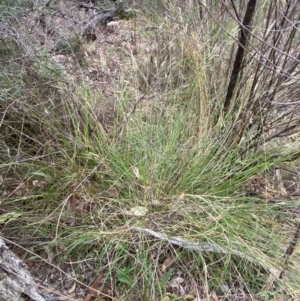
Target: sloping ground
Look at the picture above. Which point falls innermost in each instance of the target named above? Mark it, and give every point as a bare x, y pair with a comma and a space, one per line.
129, 59
55, 32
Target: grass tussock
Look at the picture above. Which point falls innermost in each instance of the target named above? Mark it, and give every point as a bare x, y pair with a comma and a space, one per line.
78, 166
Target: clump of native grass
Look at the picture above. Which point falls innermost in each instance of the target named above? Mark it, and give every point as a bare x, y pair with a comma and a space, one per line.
192, 127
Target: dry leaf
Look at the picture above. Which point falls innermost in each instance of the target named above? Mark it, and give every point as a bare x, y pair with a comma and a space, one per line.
214, 296
113, 24
94, 287
127, 212
188, 297
267, 194
71, 207
175, 282
72, 288
155, 202
280, 183
4, 194
167, 263
72, 203
35, 182
181, 197
112, 192
136, 171
139, 211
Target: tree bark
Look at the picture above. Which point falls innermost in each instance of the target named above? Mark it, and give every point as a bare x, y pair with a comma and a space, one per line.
16, 283
243, 39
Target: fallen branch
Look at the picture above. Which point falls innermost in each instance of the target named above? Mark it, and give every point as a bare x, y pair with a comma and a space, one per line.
15, 281
196, 246
102, 18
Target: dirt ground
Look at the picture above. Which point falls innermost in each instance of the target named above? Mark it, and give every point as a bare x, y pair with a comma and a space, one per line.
101, 62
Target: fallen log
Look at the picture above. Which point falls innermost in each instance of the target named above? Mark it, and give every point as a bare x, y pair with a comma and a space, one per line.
16, 283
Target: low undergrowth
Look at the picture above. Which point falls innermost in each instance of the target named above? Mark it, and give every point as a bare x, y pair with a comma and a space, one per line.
157, 196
